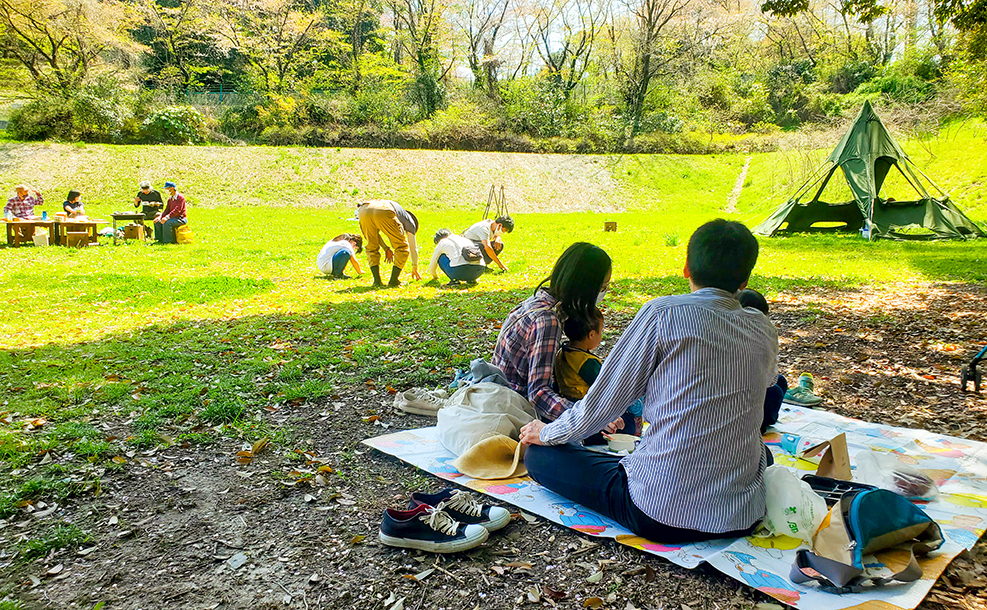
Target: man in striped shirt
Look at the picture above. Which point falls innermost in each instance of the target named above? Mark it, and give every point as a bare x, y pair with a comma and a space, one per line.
702, 364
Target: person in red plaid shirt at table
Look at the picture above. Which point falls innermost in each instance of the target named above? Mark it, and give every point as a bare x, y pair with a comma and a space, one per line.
532, 333
22, 205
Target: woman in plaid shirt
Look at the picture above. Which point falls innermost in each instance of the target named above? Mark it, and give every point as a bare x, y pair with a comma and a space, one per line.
532, 333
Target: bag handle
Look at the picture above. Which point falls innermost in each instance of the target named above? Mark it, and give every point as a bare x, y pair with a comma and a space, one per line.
836, 577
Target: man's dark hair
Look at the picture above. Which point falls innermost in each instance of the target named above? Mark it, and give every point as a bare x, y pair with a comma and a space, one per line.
753, 298
72, 195
507, 222
577, 279
578, 329
440, 235
721, 255
357, 239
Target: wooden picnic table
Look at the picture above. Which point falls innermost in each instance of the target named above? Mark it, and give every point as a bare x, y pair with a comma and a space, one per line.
89, 225
15, 236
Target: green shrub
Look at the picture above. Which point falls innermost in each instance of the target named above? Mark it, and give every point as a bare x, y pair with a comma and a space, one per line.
323, 111
534, 106
47, 118
383, 104
104, 111
175, 125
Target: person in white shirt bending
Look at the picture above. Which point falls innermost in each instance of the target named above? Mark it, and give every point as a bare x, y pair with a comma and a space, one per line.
337, 252
487, 234
458, 257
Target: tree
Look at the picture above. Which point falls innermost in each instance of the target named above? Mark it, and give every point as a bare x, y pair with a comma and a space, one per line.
181, 49
970, 18
481, 22
565, 34
650, 18
275, 37
420, 22
60, 41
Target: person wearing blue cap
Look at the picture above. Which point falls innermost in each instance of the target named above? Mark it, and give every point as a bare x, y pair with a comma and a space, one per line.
172, 217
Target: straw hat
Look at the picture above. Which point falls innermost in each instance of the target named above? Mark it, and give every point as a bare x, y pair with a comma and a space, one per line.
495, 457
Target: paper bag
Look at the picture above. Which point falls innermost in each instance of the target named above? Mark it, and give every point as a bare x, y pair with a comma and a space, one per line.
834, 458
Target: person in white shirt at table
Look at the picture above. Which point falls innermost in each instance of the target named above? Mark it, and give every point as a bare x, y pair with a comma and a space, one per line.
701, 363
459, 258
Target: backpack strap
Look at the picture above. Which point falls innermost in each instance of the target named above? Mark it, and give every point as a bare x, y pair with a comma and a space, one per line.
836, 577
832, 576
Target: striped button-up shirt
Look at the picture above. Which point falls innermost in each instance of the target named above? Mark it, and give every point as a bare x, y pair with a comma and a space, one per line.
525, 351
702, 364
23, 207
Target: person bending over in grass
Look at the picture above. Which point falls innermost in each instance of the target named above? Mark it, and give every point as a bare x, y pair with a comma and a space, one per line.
458, 257
701, 362
577, 367
532, 332
337, 253
73, 204
487, 234
400, 227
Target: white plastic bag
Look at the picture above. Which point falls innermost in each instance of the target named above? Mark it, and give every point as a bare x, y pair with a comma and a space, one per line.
886, 471
793, 508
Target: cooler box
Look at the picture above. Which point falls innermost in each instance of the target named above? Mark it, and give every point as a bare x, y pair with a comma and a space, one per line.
76, 239
133, 232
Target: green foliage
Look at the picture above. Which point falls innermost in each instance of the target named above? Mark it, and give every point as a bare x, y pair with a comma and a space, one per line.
104, 111
47, 118
175, 125
63, 535
381, 103
535, 106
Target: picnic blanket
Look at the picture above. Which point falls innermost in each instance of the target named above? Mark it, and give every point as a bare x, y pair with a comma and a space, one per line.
957, 465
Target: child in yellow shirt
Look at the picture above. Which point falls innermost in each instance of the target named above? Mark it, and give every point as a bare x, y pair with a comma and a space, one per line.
577, 367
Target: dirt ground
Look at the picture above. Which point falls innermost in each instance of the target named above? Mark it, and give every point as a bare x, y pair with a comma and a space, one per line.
193, 528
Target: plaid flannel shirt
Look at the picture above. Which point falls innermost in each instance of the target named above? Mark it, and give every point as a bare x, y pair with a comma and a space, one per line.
526, 349
23, 208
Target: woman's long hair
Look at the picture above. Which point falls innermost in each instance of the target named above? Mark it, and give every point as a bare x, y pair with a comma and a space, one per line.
358, 239
577, 279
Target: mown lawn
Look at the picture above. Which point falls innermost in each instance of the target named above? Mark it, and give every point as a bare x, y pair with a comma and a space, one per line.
111, 349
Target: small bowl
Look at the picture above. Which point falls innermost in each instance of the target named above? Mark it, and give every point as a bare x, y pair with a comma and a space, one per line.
622, 442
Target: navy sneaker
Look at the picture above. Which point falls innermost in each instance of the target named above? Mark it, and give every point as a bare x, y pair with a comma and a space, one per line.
463, 507
429, 529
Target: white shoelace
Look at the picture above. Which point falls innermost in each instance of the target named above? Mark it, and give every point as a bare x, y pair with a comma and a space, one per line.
440, 521
464, 503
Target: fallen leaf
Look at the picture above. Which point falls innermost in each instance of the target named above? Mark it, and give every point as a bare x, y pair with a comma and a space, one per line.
118, 459
314, 578
554, 593
593, 602
112, 520
55, 570
309, 498
595, 577
260, 445
358, 539
424, 574
534, 594
768, 606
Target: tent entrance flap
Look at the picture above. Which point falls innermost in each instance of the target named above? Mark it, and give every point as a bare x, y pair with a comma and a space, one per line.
884, 188
816, 215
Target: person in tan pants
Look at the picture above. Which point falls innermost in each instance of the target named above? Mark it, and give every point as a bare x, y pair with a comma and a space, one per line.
399, 227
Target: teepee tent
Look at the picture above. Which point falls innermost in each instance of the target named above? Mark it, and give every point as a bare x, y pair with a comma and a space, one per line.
867, 157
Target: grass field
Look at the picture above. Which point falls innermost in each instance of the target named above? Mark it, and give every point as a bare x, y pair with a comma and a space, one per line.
181, 343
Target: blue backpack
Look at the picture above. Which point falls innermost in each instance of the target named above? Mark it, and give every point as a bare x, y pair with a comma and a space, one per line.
862, 523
